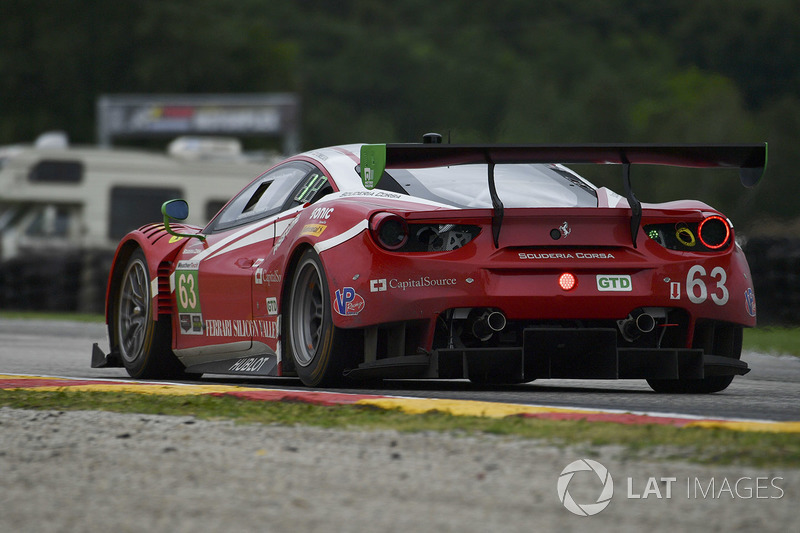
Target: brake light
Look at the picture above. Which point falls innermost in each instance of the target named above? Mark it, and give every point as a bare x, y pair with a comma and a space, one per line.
714, 232
392, 232
389, 230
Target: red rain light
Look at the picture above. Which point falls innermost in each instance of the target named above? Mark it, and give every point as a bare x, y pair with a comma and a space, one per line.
567, 281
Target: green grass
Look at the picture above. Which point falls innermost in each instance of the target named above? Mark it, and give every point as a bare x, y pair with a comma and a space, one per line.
773, 340
708, 446
41, 315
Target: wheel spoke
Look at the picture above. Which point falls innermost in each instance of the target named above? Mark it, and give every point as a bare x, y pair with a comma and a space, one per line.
307, 314
133, 311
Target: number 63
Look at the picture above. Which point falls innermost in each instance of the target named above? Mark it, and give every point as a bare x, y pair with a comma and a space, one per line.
696, 288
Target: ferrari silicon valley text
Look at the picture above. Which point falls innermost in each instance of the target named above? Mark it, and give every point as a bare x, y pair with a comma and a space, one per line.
242, 328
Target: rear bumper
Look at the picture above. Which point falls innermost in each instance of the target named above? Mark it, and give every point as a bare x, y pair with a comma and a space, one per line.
589, 353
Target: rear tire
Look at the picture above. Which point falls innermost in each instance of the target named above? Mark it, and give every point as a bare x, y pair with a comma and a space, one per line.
715, 339
144, 344
319, 350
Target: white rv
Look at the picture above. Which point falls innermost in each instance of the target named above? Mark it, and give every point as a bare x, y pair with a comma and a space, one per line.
63, 209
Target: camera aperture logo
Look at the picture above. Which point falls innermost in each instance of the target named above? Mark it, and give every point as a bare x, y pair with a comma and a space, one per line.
606, 493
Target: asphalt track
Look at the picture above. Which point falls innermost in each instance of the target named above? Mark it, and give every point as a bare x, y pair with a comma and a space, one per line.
770, 392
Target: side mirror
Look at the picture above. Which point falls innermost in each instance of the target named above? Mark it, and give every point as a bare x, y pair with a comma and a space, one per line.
177, 210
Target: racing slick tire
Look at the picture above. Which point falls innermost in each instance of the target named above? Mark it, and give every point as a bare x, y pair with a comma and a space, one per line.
716, 339
144, 344
319, 350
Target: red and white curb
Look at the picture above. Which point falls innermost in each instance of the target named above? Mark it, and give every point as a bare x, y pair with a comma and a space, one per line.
405, 404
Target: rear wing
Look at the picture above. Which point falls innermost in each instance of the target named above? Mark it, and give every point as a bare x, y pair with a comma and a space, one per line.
750, 159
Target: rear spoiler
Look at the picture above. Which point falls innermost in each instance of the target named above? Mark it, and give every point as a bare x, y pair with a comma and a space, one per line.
750, 159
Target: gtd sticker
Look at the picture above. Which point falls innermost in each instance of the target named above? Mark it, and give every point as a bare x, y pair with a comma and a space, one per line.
617, 283
348, 302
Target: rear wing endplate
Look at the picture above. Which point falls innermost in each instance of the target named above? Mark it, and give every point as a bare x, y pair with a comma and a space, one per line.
750, 159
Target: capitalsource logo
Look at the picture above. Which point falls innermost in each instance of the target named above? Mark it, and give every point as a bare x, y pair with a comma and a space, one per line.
585, 509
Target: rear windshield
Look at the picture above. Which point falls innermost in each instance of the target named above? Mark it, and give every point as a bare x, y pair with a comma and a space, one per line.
518, 185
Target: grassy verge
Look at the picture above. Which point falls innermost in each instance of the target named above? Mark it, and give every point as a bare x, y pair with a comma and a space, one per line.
773, 340
708, 446
41, 315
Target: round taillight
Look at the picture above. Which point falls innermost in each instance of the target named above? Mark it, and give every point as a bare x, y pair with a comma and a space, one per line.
567, 281
714, 232
390, 230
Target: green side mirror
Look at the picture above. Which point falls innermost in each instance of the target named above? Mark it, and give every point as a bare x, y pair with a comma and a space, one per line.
177, 210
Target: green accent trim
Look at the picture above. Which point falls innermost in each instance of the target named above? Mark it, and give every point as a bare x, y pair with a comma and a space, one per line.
313, 185
373, 163
172, 232
188, 293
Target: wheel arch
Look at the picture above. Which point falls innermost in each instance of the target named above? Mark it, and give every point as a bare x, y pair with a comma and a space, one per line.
156, 252
124, 252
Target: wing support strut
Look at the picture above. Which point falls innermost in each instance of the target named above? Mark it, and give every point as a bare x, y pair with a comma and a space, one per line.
636, 205
497, 204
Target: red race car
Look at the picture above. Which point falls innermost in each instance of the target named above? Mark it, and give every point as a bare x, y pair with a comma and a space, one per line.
495, 263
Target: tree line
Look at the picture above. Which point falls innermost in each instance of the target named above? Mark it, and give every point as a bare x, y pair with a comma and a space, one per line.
515, 71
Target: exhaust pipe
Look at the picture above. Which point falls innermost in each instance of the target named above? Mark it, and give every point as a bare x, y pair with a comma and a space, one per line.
633, 326
645, 323
487, 324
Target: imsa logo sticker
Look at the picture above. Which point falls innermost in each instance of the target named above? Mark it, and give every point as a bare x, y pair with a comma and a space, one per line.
614, 283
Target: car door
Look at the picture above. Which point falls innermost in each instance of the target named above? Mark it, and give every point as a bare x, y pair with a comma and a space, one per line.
214, 279
269, 274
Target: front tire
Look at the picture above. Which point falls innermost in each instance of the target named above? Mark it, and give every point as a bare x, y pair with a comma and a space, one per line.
716, 339
144, 344
319, 350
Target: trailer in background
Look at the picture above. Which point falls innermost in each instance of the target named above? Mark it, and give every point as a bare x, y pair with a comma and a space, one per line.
63, 209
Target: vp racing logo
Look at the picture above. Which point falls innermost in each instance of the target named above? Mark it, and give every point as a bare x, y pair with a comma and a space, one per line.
348, 302
585, 465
